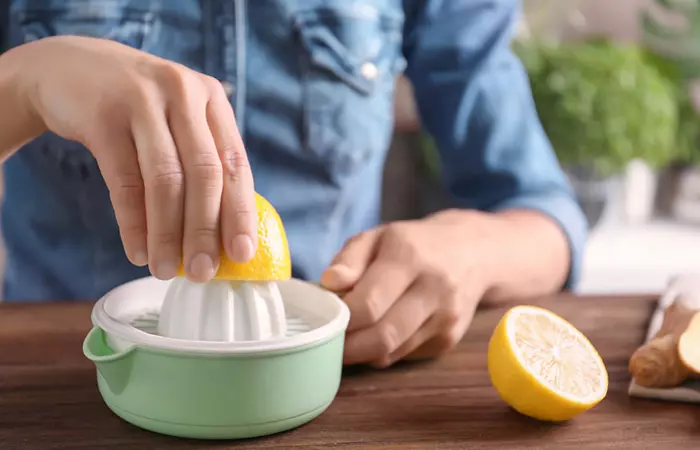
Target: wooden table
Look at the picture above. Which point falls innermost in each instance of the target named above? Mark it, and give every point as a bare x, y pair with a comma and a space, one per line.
49, 398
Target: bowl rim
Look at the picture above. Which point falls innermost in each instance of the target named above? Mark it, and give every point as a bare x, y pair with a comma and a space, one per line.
138, 338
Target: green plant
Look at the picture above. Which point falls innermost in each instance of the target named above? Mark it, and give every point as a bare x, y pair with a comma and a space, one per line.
675, 51
677, 43
601, 104
688, 135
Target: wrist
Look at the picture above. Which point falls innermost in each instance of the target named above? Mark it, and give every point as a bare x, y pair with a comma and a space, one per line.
480, 237
534, 257
18, 86
26, 80
514, 254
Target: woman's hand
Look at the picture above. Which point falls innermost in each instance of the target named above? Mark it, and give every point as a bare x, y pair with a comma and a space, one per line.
413, 287
166, 142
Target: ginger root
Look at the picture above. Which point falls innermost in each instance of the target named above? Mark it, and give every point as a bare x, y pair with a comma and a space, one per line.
688, 348
658, 364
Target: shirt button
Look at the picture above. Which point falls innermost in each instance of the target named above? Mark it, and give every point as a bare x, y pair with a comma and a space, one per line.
369, 70
228, 88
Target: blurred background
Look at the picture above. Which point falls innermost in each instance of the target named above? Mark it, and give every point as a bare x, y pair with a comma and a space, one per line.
615, 84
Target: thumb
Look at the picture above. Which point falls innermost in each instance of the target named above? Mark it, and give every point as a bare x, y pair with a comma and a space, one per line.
351, 262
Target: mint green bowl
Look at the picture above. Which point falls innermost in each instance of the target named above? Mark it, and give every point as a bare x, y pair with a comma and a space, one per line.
213, 390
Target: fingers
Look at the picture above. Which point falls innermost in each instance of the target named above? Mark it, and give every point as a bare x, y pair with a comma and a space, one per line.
239, 221
381, 286
403, 320
120, 168
439, 335
432, 340
426, 333
203, 183
352, 261
164, 184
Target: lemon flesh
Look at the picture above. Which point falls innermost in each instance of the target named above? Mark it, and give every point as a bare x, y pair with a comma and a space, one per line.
543, 367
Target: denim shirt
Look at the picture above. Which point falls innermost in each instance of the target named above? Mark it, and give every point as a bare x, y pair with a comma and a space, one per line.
311, 83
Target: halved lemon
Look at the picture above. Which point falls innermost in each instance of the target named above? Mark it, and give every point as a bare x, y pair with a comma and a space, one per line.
543, 367
272, 261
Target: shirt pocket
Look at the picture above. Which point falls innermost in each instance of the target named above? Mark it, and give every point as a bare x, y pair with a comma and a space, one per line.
107, 19
351, 57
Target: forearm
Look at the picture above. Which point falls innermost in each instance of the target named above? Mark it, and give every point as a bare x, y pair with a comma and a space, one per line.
18, 123
531, 257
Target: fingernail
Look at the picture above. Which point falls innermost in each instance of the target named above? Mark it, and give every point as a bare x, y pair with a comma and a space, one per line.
166, 270
140, 258
202, 267
241, 249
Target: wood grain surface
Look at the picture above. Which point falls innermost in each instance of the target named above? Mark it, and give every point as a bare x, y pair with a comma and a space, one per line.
49, 397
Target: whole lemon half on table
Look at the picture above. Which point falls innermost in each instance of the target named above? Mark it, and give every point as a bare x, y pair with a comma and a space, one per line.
271, 262
543, 367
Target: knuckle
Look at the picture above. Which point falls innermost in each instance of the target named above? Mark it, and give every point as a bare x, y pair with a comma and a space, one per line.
451, 316
242, 213
125, 181
447, 284
132, 230
373, 308
108, 114
128, 180
383, 362
402, 246
445, 342
240, 217
441, 281
128, 198
233, 157
453, 304
207, 168
241, 207
388, 338
213, 85
174, 77
168, 175
206, 235
241, 221
169, 179
451, 310
127, 189
139, 94
207, 173
167, 238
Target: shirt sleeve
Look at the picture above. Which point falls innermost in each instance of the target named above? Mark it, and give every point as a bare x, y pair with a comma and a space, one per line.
474, 99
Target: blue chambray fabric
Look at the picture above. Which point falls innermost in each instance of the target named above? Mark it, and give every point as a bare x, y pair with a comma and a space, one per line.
311, 82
